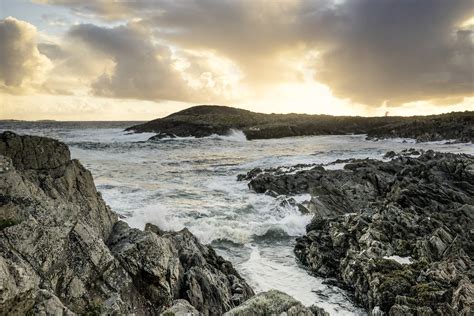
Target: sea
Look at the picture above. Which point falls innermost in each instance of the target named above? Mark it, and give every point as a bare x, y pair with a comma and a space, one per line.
192, 183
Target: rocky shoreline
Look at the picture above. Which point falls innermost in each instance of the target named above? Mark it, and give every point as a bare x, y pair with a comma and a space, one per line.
398, 234
207, 120
63, 251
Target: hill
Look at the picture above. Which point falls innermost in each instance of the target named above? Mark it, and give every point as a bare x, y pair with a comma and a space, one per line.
205, 120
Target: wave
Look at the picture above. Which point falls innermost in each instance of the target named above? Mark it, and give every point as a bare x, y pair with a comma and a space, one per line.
233, 135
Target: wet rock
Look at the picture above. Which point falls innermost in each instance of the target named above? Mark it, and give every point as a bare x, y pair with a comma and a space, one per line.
372, 212
250, 175
162, 135
63, 251
390, 154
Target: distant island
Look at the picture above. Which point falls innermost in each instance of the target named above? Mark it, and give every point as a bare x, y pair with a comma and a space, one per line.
207, 120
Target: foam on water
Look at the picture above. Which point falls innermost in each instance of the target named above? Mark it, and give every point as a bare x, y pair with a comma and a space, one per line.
191, 182
284, 276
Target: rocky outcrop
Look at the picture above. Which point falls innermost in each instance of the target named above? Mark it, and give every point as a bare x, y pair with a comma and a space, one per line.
206, 120
398, 234
63, 251
275, 303
458, 127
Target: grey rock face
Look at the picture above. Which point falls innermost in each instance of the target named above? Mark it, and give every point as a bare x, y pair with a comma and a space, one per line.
274, 303
399, 234
63, 251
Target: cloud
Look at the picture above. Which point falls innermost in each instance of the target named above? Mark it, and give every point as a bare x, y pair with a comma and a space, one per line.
21, 63
142, 69
55, 20
372, 52
400, 51
391, 51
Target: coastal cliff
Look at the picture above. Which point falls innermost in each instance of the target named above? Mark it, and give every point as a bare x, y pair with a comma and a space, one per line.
206, 120
397, 234
64, 252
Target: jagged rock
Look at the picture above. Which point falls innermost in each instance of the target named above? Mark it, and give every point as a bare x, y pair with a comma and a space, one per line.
404, 153
333, 191
274, 302
397, 233
62, 250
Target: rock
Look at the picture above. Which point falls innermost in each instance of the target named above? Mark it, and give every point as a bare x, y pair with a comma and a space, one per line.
250, 175
450, 126
274, 302
49, 304
333, 191
373, 212
34, 152
181, 308
160, 136
390, 155
63, 251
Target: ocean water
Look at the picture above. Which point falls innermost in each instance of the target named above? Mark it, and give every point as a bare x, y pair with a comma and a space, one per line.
188, 182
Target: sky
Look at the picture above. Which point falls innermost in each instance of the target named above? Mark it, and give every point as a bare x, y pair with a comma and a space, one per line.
142, 59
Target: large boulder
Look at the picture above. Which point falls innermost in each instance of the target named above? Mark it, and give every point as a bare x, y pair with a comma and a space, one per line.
63, 251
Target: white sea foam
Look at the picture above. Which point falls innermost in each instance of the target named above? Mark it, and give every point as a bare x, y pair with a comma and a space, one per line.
300, 198
105, 135
233, 135
335, 166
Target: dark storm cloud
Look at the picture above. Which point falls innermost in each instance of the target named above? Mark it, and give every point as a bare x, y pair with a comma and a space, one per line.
371, 51
401, 51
